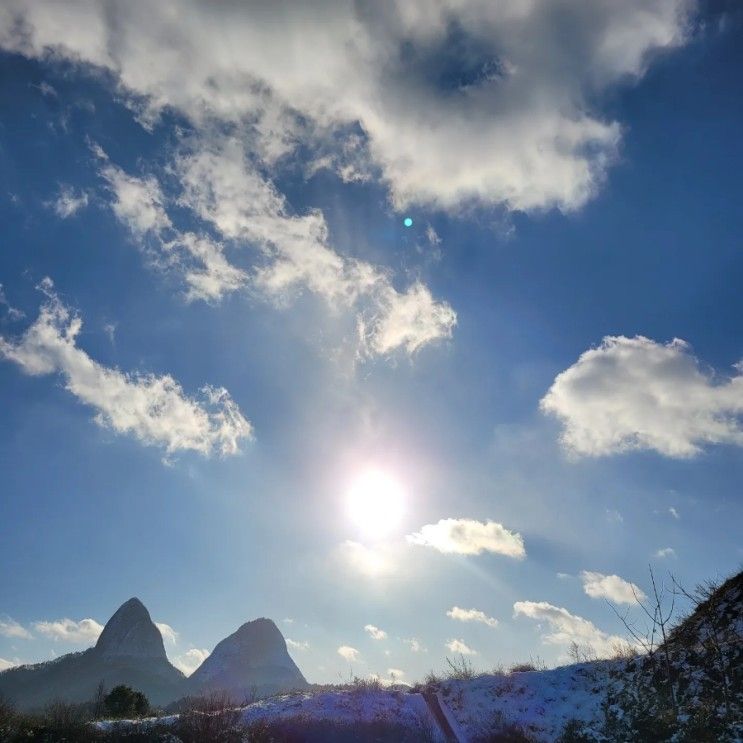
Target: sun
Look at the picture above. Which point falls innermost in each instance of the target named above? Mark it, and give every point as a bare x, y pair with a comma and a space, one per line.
376, 503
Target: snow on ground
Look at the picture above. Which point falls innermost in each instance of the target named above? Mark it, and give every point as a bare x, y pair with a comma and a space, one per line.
539, 701
345, 705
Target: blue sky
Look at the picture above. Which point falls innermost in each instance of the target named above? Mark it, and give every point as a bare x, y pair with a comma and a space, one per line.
219, 216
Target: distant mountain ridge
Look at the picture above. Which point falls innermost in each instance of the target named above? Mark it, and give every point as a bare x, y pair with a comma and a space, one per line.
130, 650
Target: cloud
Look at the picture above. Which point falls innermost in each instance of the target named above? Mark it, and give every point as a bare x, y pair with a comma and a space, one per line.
469, 537
225, 190
84, 632
633, 393
394, 677
13, 312
666, 552
153, 409
471, 615
674, 512
139, 204
374, 632
69, 201
611, 587
460, 647
415, 645
569, 628
6, 664
10, 628
189, 661
431, 86
349, 653
168, 633
297, 645
221, 187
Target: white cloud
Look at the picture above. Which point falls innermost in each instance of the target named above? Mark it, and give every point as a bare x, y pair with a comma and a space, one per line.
139, 204
189, 661
674, 512
433, 86
69, 201
297, 645
666, 552
634, 393
471, 615
6, 664
415, 645
374, 632
10, 628
407, 320
349, 653
393, 678
222, 188
13, 312
84, 632
469, 537
611, 587
460, 647
152, 408
287, 620
568, 628
168, 633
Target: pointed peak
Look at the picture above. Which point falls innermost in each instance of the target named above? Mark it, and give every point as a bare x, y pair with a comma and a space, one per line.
131, 633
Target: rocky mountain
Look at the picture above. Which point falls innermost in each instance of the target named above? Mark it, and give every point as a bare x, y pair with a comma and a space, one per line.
130, 650
253, 661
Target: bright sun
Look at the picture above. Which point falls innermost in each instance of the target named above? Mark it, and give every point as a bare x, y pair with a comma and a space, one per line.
376, 503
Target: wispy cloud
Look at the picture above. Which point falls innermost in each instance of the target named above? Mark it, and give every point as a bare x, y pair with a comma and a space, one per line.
674, 513
297, 645
10, 628
189, 661
666, 552
415, 645
154, 409
6, 664
569, 628
348, 653
168, 633
84, 632
634, 393
374, 632
68, 201
611, 587
460, 647
469, 537
471, 615
13, 312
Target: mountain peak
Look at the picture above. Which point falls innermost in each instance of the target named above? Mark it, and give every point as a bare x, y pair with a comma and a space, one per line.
252, 657
131, 633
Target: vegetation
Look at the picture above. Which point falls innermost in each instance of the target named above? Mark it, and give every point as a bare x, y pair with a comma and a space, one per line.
124, 702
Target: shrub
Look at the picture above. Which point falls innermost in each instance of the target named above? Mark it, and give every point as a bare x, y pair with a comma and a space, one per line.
123, 701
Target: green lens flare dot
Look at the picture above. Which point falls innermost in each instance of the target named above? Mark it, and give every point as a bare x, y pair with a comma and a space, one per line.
408, 222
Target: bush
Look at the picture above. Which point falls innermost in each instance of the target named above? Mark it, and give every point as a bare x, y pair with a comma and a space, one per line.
123, 701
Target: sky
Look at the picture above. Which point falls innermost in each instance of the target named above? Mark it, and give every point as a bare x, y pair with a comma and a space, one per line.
235, 383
